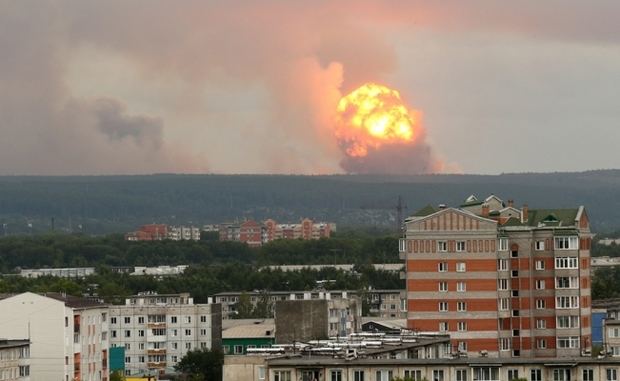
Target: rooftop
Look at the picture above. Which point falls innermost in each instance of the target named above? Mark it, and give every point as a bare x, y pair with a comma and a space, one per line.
6, 343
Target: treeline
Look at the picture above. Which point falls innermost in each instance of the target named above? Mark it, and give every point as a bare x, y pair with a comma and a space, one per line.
204, 281
64, 250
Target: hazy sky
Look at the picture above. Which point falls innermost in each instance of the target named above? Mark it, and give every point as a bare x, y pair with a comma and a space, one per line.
145, 86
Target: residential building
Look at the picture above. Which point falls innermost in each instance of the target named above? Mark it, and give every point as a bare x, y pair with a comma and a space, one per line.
612, 338
67, 272
502, 281
240, 335
14, 360
378, 303
437, 369
157, 330
69, 335
159, 232
316, 319
256, 234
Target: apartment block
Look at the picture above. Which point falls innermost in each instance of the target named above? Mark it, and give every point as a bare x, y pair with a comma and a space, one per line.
319, 319
69, 335
502, 281
14, 360
256, 234
159, 232
377, 303
158, 330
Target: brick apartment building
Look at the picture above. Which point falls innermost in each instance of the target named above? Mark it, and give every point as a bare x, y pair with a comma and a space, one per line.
256, 234
159, 232
502, 281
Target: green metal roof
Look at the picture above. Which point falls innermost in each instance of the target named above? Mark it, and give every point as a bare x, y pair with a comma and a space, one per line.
552, 217
512, 221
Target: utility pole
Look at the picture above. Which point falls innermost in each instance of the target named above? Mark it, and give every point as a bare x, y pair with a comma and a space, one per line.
400, 208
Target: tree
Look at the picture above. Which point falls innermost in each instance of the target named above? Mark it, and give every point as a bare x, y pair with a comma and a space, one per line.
202, 365
244, 307
117, 376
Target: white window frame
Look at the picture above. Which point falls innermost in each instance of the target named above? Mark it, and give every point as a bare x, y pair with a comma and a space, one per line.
502, 244
567, 282
462, 326
504, 304
443, 286
504, 344
442, 267
443, 326
568, 342
541, 324
442, 246
461, 306
566, 302
502, 265
540, 284
460, 246
461, 267
567, 263
541, 304
443, 306
566, 243
502, 284
540, 264
461, 286
567, 322
539, 245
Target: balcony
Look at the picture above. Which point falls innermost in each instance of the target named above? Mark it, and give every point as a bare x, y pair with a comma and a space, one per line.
156, 365
156, 325
153, 352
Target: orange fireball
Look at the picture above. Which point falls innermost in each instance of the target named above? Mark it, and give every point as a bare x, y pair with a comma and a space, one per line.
371, 116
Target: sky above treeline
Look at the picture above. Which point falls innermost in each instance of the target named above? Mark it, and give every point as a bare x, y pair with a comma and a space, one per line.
150, 86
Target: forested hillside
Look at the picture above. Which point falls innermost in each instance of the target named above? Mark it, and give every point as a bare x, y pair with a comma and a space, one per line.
104, 204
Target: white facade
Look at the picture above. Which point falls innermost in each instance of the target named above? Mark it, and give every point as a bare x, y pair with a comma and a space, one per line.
68, 337
183, 233
14, 360
158, 330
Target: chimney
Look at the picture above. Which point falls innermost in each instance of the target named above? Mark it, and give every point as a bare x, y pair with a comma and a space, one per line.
511, 203
442, 206
485, 210
524, 212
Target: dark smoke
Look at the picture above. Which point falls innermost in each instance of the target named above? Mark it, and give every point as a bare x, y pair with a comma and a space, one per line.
394, 159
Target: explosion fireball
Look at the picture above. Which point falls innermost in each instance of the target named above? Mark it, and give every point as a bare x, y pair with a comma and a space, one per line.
371, 116
378, 134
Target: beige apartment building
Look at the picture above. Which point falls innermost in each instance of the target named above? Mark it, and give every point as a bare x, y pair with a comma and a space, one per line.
158, 330
502, 281
69, 335
14, 360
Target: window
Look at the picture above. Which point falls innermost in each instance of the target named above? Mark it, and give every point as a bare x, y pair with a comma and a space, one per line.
188, 319
540, 284
173, 319
282, 375
140, 358
514, 254
203, 319
536, 375
438, 375
460, 267
504, 344
613, 332
541, 344
442, 246
443, 286
503, 244
141, 346
540, 265
141, 333
566, 243
358, 375
414, 375
515, 332
460, 246
462, 346
567, 322
461, 287
443, 326
540, 304
442, 267
384, 375
127, 320
566, 282
461, 375
113, 333
336, 375
514, 273
127, 359
562, 374
127, 333
462, 326
502, 284
159, 332
515, 293
443, 306
540, 245
541, 324
203, 332
188, 332
564, 302
588, 375
127, 346
571, 342
503, 304
461, 306
566, 263
513, 374
486, 374
502, 265
188, 346
140, 319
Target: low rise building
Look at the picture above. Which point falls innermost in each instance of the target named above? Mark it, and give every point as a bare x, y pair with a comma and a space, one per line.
159, 232
247, 334
69, 335
65, 272
158, 330
14, 360
256, 234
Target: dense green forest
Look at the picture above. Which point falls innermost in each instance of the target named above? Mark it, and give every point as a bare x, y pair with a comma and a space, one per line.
204, 281
106, 204
64, 250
